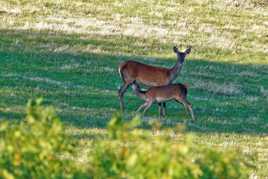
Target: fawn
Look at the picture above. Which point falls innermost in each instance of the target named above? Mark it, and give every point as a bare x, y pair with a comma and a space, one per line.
177, 92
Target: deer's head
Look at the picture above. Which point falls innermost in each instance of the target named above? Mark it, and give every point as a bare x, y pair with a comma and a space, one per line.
135, 86
181, 55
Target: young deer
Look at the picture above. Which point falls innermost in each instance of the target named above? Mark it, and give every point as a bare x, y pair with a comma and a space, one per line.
132, 71
177, 92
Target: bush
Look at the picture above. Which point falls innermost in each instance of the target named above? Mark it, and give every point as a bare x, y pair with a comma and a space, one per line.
36, 147
133, 153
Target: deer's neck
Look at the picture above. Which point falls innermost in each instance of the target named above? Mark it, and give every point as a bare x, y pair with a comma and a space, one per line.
175, 70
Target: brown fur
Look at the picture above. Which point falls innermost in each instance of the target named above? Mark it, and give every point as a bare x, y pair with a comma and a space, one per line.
132, 71
177, 92
136, 71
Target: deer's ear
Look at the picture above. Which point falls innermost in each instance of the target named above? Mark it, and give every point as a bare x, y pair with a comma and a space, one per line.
188, 50
175, 49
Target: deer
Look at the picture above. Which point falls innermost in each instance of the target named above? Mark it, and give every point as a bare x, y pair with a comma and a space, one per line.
159, 94
132, 71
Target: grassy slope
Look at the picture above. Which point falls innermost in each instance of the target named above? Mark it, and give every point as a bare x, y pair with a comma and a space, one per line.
68, 52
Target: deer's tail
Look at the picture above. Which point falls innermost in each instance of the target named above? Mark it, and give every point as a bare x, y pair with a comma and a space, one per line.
120, 69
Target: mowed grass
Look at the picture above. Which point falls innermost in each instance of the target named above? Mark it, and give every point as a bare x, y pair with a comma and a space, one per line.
68, 52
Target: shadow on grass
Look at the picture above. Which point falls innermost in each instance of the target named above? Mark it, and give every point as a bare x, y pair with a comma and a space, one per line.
11, 115
83, 85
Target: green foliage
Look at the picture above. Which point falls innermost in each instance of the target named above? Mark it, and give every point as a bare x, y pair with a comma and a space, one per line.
130, 152
36, 147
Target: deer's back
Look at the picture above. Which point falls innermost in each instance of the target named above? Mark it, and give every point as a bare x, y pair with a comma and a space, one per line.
168, 91
145, 74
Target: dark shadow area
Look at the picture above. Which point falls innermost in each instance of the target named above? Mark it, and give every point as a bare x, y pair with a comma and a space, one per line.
11, 116
83, 84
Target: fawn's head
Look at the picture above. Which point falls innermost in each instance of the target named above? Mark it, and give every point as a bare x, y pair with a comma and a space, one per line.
181, 55
135, 86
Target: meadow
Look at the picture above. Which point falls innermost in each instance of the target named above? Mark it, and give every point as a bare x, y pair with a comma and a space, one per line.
68, 52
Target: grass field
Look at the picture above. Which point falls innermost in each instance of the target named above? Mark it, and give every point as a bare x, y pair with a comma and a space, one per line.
68, 51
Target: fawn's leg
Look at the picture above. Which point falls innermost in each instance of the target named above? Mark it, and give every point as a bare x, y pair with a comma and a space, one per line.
148, 105
187, 105
160, 109
189, 108
141, 106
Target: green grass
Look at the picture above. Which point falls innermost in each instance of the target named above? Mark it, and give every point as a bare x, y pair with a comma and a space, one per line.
68, 53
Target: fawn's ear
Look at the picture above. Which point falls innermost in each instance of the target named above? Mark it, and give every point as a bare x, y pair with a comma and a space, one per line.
188, 50
175, 49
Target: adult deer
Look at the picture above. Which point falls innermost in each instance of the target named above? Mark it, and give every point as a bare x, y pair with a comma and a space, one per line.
132, 71
177, 92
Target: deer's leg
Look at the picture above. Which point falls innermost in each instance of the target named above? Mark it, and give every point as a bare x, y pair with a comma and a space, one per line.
121, 92
160, 109
187, 105
164, 108
189, 108
141, 106
148, 105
